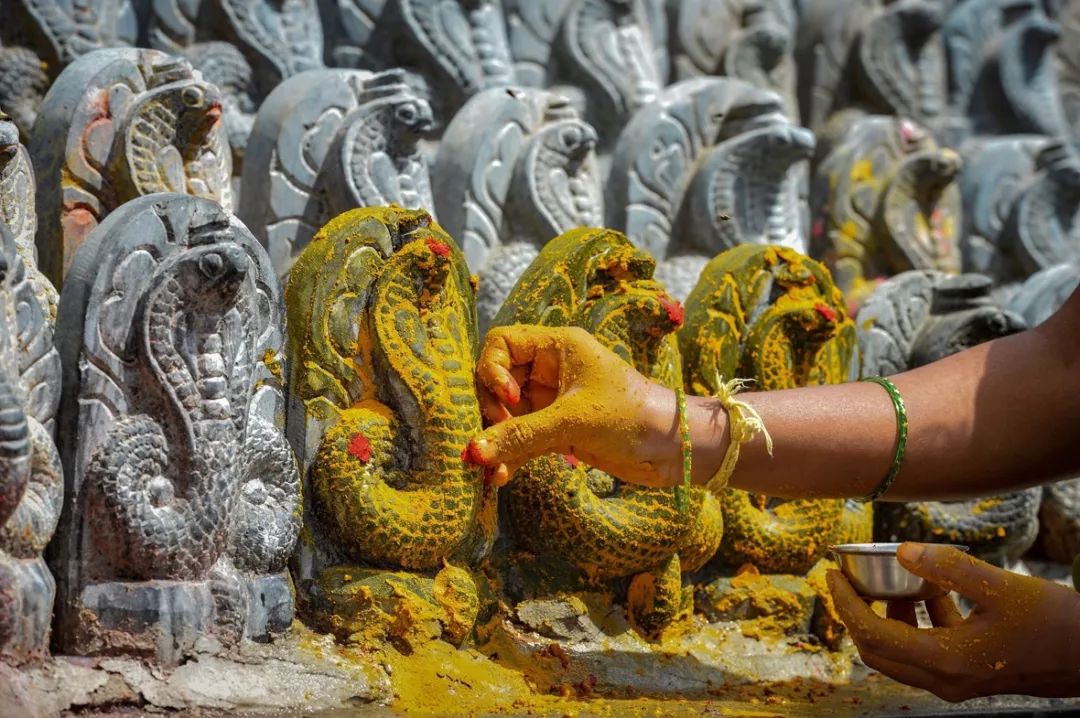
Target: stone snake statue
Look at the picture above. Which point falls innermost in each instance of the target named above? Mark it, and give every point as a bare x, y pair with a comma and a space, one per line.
911, 320
773, 316
595, 279
383, 336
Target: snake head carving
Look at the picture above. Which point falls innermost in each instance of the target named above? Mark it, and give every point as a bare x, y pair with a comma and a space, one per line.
9, 139
214, 273
414, 116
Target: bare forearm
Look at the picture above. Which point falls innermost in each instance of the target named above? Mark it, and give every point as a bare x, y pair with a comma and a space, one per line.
997, 417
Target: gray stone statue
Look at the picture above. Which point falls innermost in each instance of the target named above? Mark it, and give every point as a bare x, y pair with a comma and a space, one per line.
280, 38
674, 188
31, 479
327, 141
118, 124
884, 199
351, 33
532, 28
23, 83
459, 45
995, 172
617, 51
72, 28
882, 57
515, 169
1068, 68
182, 494
1002, 73
916, 318
749, 39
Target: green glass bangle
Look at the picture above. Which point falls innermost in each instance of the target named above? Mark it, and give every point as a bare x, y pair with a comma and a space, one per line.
682, 493
901, 438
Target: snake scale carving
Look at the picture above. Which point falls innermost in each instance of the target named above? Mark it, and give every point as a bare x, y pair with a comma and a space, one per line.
383, 334
773, 316
597, 280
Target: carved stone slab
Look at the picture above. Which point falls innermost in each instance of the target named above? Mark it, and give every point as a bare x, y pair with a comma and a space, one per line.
514, 169
280, 38
532, 28
916, 318
327, 141
31, 479
72, 28
351, 33
182, 494
1068, 70
118, 124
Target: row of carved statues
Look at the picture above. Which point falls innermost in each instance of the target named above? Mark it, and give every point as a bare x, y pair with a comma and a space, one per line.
257, 395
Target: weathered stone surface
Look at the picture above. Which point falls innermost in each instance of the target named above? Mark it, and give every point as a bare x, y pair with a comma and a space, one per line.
280, 38
883, 200
1044, 292
752, 40
532, 28
617, 51
1068, 69
181, 502
382, 337
328, 141
31, 480
515, 168
786, 601
118, 124
460, 45
351, 32
72, 28
911, 320
23, 84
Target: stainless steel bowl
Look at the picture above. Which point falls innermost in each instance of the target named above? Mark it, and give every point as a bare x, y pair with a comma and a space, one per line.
875, 573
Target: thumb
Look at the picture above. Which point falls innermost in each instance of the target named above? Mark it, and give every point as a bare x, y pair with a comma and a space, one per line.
953, 569
519, 439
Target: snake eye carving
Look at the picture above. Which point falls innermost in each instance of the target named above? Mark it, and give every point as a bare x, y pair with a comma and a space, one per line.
212, 264
193, 97
3, 269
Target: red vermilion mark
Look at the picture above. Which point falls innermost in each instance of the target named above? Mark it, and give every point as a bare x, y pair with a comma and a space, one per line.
440, 248
471, 454
572, 460
360, 447
675, 311
827, 313
818, 230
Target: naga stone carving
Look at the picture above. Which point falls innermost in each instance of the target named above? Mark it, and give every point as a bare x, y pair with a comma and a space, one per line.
1002, 67
31, 478
916, 318
772, 316
514, 169
23, 84
280, 38
70, 29
884, 200
1043, 293
559, 508
351, 32
382, 337
327, 141
182, 501
118, 124
688, 176
532, 29
1068, 67
995, 172
460, 45
617, 51
882, 57
1043, 228
752, 40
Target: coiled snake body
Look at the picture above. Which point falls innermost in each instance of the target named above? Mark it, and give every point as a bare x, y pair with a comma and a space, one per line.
595, 279
771, 315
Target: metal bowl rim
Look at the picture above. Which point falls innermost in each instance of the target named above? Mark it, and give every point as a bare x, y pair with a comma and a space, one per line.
879, 549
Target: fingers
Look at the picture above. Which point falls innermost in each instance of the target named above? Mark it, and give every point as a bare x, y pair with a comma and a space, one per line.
953, 569
502, 351
492, 409
519, 439
943, 612
902, 611
882, 637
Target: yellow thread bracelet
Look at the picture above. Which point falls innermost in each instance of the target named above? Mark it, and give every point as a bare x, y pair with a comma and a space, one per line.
744, 423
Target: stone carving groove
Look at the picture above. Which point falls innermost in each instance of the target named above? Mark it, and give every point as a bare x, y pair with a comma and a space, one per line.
182, 501
595, 279
885, 200
73, 28
328, 141
383, 338
514, 169
913, 319
772, 316
118, 124
280, 38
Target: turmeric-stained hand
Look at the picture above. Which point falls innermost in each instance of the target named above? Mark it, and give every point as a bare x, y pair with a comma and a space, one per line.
1023, 636
559, 390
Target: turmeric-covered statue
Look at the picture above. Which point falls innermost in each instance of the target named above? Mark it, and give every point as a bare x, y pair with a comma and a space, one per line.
382, 336
560, 508
772, 316
118, 124
182, 495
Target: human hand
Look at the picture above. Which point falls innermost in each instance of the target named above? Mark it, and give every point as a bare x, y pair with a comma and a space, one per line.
559, 390
1023, 636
